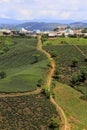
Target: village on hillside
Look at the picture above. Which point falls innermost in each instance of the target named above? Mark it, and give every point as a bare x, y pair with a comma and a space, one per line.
59, 31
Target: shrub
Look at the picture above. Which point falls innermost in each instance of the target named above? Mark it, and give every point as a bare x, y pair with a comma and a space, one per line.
74, 62
2, 75
44, 37
76, 78
84, 97
36, 56
64, 42
40, 83
54, 53
84, 72
54, 123
46, 92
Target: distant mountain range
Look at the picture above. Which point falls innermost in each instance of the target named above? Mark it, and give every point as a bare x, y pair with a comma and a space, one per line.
40, 24
78, 25
49, 26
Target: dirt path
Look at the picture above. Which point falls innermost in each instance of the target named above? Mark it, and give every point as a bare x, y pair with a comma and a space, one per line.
80, 51
52, 63
20, 94
65, 125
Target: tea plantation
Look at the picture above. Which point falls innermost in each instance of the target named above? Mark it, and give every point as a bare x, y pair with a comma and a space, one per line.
64, 55
70, 78
22, 64
32, 112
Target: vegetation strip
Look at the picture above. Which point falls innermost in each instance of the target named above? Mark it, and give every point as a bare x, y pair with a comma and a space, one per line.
81, 51
20, 94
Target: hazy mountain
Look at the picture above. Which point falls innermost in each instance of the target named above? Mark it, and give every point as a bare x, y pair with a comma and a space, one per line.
78, 25
39, 26
49, 26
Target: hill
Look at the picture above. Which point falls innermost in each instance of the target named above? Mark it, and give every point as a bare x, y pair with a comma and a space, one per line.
49, 26
42, 25
39, 25
22, 63
78, 25
64, 50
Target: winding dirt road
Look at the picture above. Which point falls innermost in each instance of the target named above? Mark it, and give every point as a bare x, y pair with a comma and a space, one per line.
52, 63
65, 125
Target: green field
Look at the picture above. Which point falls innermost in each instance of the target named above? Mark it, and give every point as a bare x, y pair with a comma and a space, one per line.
22, 68
61, 41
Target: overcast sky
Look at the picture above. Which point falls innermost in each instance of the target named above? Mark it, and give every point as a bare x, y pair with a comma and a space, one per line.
43, 9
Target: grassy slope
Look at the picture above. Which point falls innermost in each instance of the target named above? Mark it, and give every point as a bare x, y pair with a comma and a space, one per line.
74, 107
18, 63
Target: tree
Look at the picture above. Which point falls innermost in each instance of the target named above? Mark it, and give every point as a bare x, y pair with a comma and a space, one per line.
56, 74
56, 29
46, 92
44, 37
84, 73
40, 83
76, 78
54, 123
84, 30
36, 56
74, 62
54, 53
2, 75
84, 97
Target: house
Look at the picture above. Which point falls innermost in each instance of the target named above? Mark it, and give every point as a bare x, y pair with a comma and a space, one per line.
68, 31
61, 27
52, 34
5, 32
77, 31
23, 31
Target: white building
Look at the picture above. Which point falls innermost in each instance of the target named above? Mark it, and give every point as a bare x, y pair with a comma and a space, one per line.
68, 32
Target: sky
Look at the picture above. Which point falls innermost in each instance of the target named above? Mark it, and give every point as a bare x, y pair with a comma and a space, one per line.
44, 9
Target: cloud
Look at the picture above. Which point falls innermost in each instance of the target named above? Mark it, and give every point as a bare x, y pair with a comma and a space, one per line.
24, 14
28, 9
4, 1
4, 16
